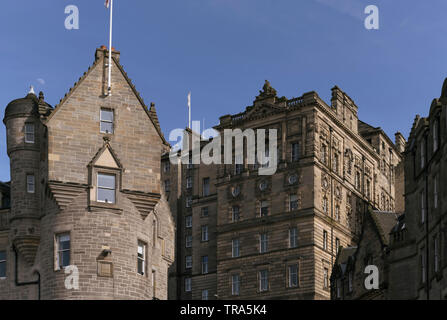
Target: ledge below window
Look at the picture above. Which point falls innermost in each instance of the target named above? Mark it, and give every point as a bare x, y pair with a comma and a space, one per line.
99, 206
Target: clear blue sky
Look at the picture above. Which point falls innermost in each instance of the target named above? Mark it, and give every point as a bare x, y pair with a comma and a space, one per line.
223, 50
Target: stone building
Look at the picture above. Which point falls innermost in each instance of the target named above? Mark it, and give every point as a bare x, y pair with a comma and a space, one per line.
420, 251
415, 260
241, 235
85, 194
348, 275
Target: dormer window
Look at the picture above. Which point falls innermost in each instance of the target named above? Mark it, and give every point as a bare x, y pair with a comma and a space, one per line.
29, 133
106, 188
107, 117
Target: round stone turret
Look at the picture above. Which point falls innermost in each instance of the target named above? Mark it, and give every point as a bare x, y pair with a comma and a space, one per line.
24, 132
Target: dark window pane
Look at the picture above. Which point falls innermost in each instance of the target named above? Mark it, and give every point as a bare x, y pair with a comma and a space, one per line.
64, 258
2, 269
140, 266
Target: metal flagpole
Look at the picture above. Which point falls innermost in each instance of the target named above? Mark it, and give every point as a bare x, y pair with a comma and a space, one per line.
189, 110
109, 87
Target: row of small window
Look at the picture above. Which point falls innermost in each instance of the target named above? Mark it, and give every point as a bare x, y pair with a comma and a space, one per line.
106, 125
204, 263
235, 245
205, 185
265, 159
326, 239
238, 168
236, 212
263, 281
105, 191
62, 254
423, 195
204, 234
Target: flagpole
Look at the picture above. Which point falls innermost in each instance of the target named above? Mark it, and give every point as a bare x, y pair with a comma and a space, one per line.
189, 110
109, 86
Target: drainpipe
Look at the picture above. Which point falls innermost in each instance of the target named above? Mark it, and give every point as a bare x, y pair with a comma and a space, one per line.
20, 284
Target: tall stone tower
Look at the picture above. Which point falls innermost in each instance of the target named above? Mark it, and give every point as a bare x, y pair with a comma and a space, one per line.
88, 219
24, 147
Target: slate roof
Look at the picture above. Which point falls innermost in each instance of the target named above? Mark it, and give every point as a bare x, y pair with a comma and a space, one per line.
385, 222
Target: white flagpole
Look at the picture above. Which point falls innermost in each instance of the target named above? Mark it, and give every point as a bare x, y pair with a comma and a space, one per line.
189, 110
109, 86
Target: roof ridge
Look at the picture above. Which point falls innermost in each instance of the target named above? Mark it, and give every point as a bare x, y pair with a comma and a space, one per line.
140, 99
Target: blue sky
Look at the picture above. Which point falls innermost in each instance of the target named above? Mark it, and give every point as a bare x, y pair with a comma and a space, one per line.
223, 50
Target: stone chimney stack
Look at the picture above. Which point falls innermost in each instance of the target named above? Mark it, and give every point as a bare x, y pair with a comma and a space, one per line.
345, 108
400, 142
103, 51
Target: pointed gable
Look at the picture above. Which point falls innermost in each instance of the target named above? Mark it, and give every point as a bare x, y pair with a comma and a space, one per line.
106, 157
102, 52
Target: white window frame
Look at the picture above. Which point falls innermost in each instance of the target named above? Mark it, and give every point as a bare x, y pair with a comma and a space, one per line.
295, 154
141, 257
235, 214
263, 243
188, 201
60, 251
188, 262
235, 248
101, 120
293, 202
264, 205
293, 238
188, 284
98, 187
205, 294
188, 182
30, 183
325, 278
30, 132
325, 247
205, 264
206, 187
263, 280
188, 221
291, 274
235, 284
204, 233
188, 241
